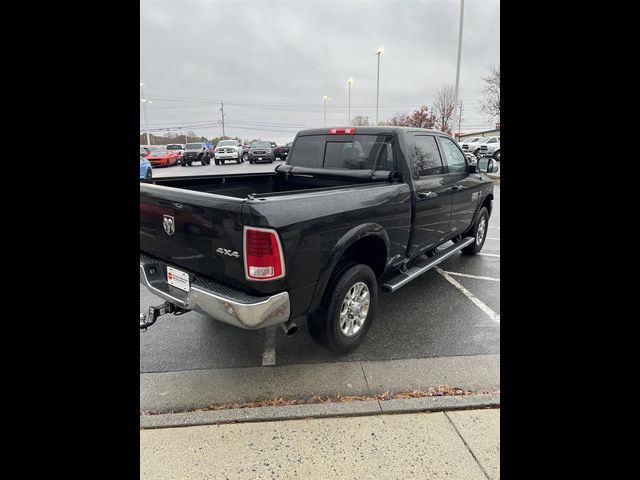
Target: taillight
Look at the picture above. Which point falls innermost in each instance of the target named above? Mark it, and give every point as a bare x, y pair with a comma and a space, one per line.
263, 259
342, 131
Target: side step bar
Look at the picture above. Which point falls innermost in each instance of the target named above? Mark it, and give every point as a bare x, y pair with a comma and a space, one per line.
423, 264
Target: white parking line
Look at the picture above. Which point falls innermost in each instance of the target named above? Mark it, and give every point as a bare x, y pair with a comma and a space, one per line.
493, 226
490, 313
490, 254
493, 238
269, 354
467, 275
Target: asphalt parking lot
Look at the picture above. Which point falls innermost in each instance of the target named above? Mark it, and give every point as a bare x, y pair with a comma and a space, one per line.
451, 311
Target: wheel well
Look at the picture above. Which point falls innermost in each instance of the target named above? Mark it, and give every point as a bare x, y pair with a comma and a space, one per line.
371, 251
487, 203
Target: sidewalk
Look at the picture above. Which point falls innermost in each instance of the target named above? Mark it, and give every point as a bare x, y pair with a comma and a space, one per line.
454, 444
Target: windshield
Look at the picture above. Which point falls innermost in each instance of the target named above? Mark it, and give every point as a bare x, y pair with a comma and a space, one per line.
157, 150
193, 146
261, 145
493, 140
227, 143
174, 147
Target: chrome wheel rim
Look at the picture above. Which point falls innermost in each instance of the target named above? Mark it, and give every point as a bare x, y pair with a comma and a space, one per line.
482, 226
354, 309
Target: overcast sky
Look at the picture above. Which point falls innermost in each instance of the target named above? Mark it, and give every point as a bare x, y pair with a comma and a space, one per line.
271, 62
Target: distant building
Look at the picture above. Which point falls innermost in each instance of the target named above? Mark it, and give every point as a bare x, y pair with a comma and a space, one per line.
485, 133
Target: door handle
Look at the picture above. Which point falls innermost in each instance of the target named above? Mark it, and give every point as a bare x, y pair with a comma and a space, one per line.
425, 195
457, 188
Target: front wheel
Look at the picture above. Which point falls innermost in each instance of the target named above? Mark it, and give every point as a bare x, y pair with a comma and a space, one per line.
479, 232
245, 157
496, 156
348, 310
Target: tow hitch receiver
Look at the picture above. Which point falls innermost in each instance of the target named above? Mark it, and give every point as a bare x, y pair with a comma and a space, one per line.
154, 312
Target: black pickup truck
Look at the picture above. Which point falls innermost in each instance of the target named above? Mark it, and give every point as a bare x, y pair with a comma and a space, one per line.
352, 212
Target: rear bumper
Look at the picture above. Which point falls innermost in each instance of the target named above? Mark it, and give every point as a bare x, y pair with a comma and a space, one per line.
216, 300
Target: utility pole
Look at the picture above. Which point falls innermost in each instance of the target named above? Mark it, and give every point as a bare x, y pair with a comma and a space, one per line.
144, 108
325, 98
460, 119
459, 51
350, 81
378, 53
222, 110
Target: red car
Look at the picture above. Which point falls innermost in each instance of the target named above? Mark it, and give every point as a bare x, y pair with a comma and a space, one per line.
163, 158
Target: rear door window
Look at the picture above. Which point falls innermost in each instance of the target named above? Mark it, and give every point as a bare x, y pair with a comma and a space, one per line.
426, 156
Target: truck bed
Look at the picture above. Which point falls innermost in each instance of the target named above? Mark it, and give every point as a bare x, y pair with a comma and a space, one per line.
287, 179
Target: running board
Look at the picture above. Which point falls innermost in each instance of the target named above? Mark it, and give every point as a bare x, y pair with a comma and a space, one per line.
423, 264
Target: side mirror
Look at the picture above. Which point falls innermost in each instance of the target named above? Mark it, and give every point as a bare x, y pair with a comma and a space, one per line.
487, 165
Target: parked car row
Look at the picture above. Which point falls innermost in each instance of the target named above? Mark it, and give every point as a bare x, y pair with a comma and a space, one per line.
203, 152
482, 146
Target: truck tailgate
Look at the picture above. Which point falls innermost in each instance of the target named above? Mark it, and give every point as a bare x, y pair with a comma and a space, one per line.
200, 232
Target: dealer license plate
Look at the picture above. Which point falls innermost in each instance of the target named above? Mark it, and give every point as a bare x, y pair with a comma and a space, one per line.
178, 279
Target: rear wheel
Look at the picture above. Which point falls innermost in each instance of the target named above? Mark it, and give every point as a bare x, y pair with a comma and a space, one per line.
148, 174
344, 319
245, 157
479, 232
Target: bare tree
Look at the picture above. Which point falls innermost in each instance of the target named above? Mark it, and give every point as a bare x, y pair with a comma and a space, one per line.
360, 121
491, 102
444, 108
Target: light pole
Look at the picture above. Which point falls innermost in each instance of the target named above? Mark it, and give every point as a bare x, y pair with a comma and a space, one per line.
144, 108
378, 53
455, 100
350, 81
325, 98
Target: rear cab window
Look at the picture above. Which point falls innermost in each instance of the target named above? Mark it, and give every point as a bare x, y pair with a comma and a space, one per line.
349, 152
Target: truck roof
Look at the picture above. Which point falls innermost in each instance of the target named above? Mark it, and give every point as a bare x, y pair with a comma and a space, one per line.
379, 130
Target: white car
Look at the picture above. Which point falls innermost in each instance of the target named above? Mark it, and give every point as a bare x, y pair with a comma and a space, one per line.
176, 147
470, 144
491, 148
228, 150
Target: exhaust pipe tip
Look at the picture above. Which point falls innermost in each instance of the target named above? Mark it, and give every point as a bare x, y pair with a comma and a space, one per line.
289, 328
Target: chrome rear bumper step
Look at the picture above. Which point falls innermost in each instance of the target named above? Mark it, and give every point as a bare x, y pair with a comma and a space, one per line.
423, 264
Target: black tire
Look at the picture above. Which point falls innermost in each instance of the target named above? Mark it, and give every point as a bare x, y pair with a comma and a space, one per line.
148, 175
251, 162
245, 157
271, 160
325, 325
476, 151
222, 162
238, 160
217, 161
189, 162
474, 232
496, 156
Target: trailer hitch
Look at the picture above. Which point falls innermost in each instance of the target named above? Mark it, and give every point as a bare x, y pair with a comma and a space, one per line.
154, 312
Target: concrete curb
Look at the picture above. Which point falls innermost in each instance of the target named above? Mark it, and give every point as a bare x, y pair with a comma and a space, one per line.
188, 391
320, 410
